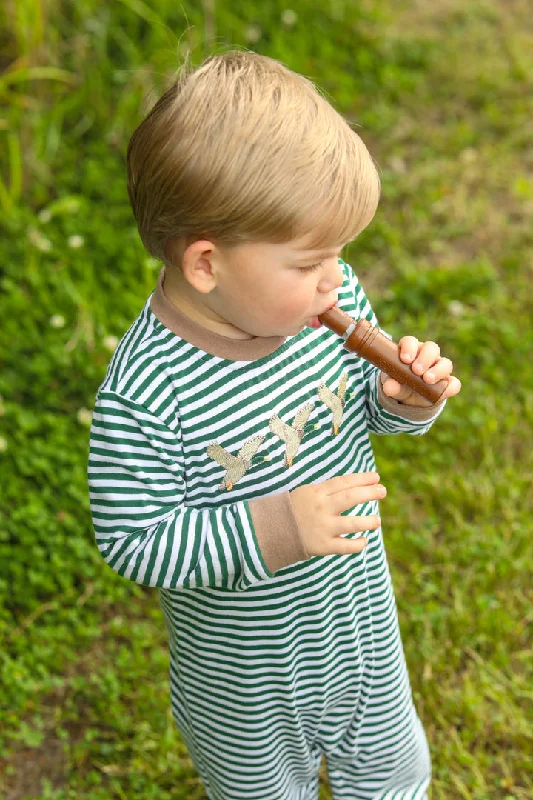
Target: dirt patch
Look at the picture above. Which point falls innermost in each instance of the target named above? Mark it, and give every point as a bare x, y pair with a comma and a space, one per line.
50, 761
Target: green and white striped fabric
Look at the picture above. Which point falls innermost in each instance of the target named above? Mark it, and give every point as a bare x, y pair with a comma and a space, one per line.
192, 457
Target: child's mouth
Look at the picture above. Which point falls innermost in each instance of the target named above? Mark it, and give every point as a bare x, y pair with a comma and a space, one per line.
314, 322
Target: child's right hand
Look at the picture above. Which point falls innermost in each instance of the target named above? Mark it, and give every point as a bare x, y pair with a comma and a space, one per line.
318, 507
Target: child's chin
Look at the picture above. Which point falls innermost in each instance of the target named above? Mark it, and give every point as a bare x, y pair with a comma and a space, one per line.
297, 329
289, 330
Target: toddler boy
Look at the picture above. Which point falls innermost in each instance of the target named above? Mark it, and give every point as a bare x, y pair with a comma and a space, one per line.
230, 462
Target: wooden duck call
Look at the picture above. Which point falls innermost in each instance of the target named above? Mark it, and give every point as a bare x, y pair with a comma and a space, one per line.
370, 343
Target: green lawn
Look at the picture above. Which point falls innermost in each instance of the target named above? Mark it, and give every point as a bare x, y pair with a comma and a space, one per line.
442, 92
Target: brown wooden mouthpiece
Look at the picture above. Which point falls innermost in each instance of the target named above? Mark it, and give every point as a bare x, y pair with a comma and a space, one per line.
370, 343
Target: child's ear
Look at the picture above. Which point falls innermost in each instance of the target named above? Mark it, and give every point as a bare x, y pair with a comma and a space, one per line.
197, 266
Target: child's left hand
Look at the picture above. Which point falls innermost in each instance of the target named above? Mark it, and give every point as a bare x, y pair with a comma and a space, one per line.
425, 360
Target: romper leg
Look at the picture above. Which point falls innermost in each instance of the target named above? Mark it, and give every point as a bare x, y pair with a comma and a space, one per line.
383, 753
248, 727
239, 759
374, 743
399, 770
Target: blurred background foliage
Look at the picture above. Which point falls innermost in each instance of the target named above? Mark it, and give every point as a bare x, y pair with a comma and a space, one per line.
442, 94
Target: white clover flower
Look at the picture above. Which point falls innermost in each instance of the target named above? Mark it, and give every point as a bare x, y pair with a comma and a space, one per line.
456, 308
289, 17
85, 417
57, 321
3, 444
76, 241
39, 241
110, 342
253, 33
45, 215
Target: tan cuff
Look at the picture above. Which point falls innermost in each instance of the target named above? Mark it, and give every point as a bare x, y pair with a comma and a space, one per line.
412, 413
277, 531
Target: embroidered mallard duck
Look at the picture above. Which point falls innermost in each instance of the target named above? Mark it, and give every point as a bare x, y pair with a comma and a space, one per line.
293, 434
236, 466
335, 402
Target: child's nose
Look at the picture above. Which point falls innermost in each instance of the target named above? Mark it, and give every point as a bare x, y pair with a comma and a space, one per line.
331, 279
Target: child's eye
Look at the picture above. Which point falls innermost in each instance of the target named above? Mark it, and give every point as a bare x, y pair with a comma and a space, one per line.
312, 267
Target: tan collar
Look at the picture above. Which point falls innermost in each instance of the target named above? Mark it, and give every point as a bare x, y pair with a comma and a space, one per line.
208, 341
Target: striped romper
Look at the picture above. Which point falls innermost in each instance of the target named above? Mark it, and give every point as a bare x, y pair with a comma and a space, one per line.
276, 658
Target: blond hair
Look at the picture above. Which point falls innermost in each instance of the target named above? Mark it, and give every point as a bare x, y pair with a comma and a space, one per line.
242, 149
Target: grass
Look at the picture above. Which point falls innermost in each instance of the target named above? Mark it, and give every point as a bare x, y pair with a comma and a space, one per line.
442, 92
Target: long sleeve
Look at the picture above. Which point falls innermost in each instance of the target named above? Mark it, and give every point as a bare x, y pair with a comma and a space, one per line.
146, 532
384, 414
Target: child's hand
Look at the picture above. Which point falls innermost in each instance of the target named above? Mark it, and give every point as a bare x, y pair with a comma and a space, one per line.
318, 507
425, 360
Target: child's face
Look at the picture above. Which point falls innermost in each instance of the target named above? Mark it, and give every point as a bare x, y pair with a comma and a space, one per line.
265, 289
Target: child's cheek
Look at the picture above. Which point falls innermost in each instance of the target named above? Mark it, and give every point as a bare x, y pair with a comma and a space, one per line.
290, 302
290, 310
298, 300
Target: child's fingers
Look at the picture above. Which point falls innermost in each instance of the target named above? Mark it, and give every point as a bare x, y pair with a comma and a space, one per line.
427, 356
441, 369
345, 547
348, 498
342, 483
391, 387
357, 524
409, 346
453, 388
